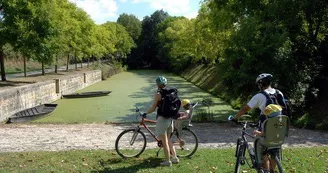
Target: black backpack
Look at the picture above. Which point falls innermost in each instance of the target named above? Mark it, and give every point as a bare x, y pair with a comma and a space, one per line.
170, 103
278, 99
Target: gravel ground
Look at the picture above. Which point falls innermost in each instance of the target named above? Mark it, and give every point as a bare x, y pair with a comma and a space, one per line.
51, 137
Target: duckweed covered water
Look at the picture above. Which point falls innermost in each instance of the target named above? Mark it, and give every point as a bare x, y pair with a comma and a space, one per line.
129, 89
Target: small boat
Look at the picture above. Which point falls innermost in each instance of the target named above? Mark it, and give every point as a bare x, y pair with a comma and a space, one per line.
32, 113
87, 94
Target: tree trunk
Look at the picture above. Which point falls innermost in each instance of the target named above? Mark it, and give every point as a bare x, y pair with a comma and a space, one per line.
67, 62
25, 73
75, 58
2, 63
88, 62
82, 63
43, 73
56, 65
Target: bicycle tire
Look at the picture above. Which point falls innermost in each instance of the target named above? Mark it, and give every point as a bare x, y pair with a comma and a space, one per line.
237, 147
123, 145
188, 143
278, 163
240, 156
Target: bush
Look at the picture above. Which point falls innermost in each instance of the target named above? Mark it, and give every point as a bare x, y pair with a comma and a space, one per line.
203, 116
108, 69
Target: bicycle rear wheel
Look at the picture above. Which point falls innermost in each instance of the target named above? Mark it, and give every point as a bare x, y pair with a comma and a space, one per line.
278, 163
186, 143
130, 143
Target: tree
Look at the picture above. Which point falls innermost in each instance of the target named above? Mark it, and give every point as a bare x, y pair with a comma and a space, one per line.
131, 23
148, 41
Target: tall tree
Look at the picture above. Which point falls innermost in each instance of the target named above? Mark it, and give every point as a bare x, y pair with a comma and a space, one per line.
131, 23
149, 37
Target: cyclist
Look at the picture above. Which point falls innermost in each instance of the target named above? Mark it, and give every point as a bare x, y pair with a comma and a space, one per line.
164, 126
259, 100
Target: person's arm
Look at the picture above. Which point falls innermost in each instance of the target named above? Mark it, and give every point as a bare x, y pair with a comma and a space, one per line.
242, 111
153, 107
185, 115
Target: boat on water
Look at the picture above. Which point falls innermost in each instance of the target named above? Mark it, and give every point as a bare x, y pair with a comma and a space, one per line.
87, 94
32, 113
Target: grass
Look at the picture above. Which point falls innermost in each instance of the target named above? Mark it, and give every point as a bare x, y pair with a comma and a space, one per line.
296, 160
17, 65
129, 89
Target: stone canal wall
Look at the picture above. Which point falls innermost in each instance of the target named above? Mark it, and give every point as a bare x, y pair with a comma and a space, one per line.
27, 96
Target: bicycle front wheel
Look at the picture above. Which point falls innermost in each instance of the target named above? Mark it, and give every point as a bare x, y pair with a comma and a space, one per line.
186, 143
240, 156
130, 143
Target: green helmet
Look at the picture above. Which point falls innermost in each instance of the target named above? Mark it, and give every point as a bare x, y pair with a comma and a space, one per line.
161, 80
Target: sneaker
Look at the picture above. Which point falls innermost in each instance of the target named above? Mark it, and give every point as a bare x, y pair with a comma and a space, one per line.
175, 160
166, 163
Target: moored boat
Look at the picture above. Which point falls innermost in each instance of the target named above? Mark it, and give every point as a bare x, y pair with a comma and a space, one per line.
87, 94
32, 113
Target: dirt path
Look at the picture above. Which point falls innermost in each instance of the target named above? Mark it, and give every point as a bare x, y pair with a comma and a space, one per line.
17, 138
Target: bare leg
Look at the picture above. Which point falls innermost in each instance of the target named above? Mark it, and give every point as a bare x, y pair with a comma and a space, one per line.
172, 148
165, 144
272, 165
266, 162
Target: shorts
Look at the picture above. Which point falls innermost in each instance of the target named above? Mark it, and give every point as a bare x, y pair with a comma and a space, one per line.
163, 125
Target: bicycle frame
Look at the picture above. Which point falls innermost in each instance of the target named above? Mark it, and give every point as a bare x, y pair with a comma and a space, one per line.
142, 123
244, 140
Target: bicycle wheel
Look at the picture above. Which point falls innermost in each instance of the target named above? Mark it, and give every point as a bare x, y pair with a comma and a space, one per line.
278, 163
130, 143
187, 143
240, 157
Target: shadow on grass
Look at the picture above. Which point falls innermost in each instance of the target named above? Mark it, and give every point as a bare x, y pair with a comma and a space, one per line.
136, 164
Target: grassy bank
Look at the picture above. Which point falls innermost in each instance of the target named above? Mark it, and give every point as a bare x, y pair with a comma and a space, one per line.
209, 78
17, 65
298, 160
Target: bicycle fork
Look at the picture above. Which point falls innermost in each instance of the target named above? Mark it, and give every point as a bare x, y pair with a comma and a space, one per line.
134, 136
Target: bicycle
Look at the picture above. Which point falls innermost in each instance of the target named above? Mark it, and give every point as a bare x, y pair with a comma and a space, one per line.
273, 151
132, 142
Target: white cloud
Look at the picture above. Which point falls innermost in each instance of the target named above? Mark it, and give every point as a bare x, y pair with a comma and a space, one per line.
173, 7
123, 1
99, 10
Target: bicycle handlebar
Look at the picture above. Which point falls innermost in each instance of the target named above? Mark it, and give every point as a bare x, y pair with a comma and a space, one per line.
249, 124
142, 114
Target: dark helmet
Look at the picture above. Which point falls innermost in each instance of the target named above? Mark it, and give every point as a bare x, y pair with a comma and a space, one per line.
161, 80
264, 78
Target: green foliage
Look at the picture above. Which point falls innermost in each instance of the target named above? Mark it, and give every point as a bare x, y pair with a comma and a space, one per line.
131, 23
148, 45
47, 30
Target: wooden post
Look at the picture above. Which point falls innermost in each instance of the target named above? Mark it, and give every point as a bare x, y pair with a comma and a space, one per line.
57, 85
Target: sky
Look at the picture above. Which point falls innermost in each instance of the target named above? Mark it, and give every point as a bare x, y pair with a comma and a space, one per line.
102, 11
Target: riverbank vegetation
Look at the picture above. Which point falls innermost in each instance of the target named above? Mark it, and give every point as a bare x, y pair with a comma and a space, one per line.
240, 40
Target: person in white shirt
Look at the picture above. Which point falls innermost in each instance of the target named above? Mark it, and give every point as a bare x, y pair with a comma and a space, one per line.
260, 101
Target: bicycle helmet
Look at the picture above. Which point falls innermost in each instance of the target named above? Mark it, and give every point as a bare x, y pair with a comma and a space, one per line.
185, 102
264, 78
161, 80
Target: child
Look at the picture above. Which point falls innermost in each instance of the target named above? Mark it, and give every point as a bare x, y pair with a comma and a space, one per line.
184, 117
270, 111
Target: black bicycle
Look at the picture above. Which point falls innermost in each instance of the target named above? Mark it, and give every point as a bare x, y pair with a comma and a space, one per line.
243, 145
